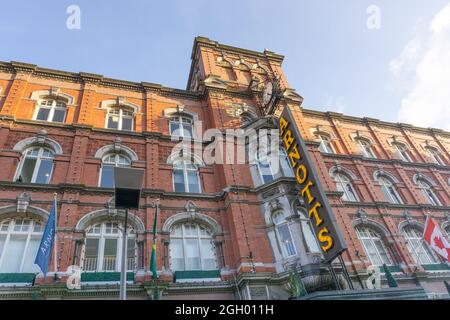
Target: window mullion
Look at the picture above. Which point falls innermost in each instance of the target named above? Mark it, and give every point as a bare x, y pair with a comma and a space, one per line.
37, 166
26, 249
101, 248
199, 247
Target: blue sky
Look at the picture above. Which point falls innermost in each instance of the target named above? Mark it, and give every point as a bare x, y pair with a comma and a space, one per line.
332, 59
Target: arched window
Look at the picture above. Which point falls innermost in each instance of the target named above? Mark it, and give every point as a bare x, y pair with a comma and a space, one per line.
308, 231
373, 246
103, 247
389, 191
344, 185
181, 125
366, 148
36, 166
428, 192
283, 233
402, 151
191, 248
19, 243
50, 110
267, 170
186, 177
419, 250
435, 155
120, 118
325, 144
107, 170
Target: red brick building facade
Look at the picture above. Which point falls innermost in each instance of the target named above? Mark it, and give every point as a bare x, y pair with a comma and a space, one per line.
224, 231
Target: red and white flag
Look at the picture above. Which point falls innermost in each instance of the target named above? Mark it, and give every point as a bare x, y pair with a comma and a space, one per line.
434, 236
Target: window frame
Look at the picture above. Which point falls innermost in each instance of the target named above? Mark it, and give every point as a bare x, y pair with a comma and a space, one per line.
435, 155
346, 182
428, 192
102, 236
385, 189
51, 108
121, 109
116, 164
414, 248
39, 157
185, 171
277, 225
403, 151
179, 121
371, 237
305, 222
198, 237
325, 142
366, 148
29, 234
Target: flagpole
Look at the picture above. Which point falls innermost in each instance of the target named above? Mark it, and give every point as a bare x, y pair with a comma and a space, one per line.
55, 249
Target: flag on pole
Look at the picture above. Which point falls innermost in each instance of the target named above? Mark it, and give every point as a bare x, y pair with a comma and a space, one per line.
45, 248
153, 257
434, 236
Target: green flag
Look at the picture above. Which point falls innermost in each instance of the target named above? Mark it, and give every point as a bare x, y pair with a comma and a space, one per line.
153, 257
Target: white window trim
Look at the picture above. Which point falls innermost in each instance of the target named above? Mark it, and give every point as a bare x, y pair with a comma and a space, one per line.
276, 225
28, 233
179, 121
185, 176
422, 248
198, 237
116, 164
102, 236
322, 138
389, 183
37, 165
120, 115
403, 154
51, 112
363, 145
433, 198
339, 180
371, 239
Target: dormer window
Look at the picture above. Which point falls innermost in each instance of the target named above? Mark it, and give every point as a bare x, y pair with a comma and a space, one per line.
120, 118
50, 110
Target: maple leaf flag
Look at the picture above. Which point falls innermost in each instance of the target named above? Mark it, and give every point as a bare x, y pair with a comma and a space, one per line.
434, 236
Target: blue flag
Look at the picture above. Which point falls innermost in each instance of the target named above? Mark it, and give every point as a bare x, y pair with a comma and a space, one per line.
45, 248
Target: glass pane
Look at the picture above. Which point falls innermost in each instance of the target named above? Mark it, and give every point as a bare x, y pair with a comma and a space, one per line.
43, 114
174, 128
382, 251
91, 253
107, 177
193, 182
127, 124
308, 234
2, 243
266, 173
45, 171
286, 239
192, 255
109, 254
113, 122
27, 170
30, 255
207, 250
59, 115
176, 253
286, 166
178, 181
13, 254
187, 130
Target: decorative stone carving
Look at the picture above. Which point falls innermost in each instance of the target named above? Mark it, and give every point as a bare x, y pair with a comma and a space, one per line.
190, 206
362, 215
23, 200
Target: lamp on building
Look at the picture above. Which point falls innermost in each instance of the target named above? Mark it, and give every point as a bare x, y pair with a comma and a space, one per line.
127, 189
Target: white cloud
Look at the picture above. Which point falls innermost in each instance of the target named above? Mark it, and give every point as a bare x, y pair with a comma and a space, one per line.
335, 104
425, 64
